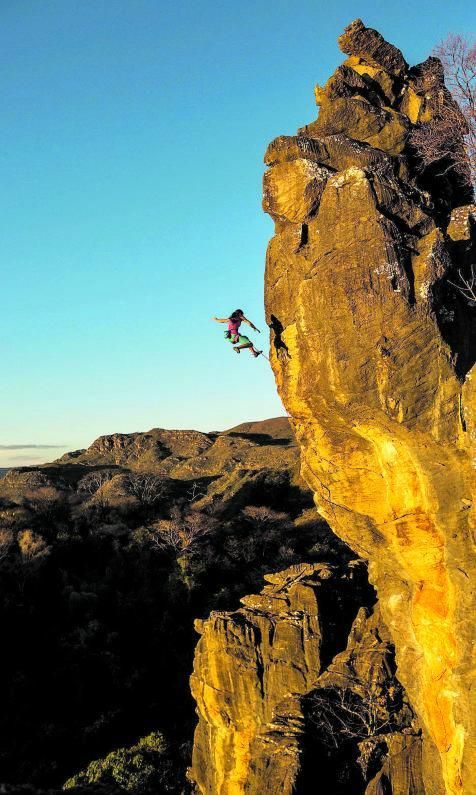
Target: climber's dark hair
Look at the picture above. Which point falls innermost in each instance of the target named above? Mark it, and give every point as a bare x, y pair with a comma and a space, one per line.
236, 314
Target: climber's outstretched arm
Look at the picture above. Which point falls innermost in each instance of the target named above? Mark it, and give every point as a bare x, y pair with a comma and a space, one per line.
221, 319
245, 320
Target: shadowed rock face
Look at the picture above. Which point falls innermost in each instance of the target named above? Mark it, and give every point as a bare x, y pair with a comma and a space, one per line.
372, 350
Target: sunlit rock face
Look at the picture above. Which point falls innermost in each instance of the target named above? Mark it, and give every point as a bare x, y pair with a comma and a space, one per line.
372, 348
247, 691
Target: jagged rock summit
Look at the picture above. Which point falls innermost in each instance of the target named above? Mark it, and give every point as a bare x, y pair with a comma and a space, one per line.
372, 349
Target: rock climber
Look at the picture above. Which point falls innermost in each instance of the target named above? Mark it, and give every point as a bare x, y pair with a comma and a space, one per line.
233, 335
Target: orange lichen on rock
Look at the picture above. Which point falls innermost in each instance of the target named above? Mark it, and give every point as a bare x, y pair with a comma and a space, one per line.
372, 348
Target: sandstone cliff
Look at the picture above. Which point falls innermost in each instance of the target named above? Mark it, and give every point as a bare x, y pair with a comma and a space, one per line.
275, 681
372, 349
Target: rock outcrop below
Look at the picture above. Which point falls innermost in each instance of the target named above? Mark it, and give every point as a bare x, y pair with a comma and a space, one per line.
274, 680
250, 666
372, 346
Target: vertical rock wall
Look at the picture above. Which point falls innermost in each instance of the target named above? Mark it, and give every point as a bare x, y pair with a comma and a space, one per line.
372, 349
246, 689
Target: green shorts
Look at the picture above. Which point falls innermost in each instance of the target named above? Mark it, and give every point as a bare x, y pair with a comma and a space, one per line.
240, 339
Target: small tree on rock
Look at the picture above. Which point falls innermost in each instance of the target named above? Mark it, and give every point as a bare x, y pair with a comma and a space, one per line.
181, 534
93, 481
148, 488
355, 709
449, 138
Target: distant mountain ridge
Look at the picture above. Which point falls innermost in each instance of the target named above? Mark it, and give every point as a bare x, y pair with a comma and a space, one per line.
151, 448
227, 467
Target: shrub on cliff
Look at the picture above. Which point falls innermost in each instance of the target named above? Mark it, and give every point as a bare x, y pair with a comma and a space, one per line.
449, 138
147, 487
93, 481
47, 507
142, 768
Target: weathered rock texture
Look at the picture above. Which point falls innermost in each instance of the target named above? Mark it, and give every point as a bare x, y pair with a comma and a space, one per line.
248, 667
372, 349
262, 673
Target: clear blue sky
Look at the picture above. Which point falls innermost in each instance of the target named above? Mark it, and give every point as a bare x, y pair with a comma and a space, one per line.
132, 139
